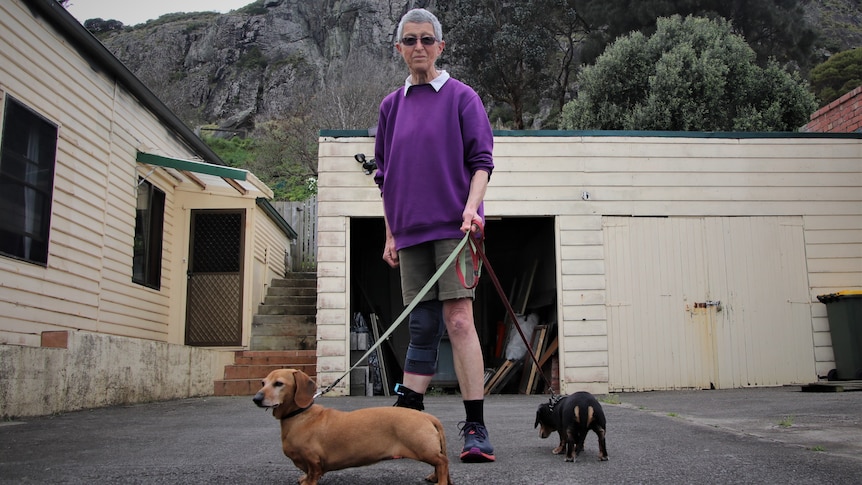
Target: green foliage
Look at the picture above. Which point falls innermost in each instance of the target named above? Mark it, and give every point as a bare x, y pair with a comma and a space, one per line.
839, 23
236, 152
269, 157
99, 26
512, 52
774, 29
283, 156
255, 8
199, 17
837, 76
693, 74
252, 59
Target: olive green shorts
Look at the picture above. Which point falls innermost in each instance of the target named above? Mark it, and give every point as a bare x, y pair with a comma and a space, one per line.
419, 263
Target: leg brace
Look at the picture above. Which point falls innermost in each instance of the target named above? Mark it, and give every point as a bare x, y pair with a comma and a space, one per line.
426, 330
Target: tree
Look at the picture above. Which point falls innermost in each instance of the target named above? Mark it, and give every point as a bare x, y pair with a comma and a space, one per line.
840, 74
774, 29
353, 88
692, 74
513, 52
99, 26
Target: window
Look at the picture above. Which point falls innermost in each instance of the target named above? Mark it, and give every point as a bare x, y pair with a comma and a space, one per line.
149, 223
28, 151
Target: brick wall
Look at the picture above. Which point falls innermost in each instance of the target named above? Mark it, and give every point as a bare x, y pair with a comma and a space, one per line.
844, 115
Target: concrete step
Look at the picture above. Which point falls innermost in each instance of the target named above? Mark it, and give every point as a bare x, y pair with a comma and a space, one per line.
310, 291
284, 358
258, 372
279, 329
243, 377
284, 320
308, 300
286, 308
280, 342
304, 280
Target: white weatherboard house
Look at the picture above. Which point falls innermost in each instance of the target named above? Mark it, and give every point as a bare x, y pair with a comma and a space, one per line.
131, 258
661, 260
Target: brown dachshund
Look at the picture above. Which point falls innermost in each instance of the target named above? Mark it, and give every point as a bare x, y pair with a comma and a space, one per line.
319, 439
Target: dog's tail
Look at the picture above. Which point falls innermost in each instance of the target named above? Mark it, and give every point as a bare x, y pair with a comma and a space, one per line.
589, 415
442, 434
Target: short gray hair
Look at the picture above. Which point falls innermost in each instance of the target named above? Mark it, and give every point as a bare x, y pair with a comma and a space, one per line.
420, 16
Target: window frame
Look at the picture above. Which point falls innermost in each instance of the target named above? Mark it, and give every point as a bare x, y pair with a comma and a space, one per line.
147, 244
32, 232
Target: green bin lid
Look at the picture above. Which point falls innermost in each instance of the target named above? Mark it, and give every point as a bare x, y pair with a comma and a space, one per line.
837, 296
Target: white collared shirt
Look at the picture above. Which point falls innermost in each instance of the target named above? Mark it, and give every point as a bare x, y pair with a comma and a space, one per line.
436, 83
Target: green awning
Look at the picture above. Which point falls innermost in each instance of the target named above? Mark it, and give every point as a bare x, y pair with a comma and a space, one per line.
192, 166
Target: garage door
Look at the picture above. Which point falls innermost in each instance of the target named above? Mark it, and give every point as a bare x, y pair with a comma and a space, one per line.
707, 303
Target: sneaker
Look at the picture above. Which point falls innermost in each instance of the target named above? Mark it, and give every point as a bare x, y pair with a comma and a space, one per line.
477, 447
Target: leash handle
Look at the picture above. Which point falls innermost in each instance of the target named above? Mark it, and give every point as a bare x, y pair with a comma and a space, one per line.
476, 239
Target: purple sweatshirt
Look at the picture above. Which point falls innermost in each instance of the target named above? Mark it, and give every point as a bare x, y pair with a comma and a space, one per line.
428, 145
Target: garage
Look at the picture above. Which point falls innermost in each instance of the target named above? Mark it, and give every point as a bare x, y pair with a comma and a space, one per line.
664, 260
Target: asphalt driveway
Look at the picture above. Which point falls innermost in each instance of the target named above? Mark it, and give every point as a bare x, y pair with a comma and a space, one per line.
770, 435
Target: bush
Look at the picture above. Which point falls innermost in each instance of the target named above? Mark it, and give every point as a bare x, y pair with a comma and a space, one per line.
693, 74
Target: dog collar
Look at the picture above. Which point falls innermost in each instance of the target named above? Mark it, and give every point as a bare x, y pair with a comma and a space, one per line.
297, 412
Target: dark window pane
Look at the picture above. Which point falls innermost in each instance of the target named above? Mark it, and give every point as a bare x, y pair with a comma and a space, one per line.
149, 227
28, 150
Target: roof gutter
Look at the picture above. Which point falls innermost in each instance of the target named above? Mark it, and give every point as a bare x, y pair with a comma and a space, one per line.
103, 60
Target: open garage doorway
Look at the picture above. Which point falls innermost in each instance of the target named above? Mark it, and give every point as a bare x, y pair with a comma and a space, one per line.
522, 253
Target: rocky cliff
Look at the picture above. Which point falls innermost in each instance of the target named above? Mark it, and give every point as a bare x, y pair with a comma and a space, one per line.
261, 61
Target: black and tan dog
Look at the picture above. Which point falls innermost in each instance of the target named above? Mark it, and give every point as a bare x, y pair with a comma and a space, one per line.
573, 416
319, 439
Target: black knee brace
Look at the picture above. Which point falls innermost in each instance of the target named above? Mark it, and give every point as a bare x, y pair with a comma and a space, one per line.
426, 330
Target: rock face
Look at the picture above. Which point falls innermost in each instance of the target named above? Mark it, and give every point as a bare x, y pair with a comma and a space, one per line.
257, 63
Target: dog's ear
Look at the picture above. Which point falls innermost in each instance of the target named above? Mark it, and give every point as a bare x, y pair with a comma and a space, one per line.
305, 388
539, 414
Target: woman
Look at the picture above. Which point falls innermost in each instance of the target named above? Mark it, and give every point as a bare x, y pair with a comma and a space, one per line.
434, 157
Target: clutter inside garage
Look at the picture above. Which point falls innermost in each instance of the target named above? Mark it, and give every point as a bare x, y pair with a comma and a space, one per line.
521, 252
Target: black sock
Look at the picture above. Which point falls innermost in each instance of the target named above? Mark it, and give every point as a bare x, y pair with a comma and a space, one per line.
475, 411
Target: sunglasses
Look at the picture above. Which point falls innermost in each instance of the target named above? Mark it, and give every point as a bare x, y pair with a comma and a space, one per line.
426, 40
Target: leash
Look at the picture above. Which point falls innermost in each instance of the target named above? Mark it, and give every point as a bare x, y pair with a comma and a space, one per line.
443, 267
477, 248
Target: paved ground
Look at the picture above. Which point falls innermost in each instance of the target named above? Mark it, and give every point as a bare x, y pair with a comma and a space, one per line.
774, 435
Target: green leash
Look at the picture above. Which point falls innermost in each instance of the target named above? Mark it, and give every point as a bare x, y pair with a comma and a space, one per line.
443, 267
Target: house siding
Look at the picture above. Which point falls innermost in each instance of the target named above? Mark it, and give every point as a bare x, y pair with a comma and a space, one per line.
817, 180
86, 288
269, 255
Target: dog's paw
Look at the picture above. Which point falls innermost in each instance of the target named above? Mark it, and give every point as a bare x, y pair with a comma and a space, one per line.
603, 458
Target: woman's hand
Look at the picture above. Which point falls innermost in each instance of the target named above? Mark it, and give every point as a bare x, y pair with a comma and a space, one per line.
390, 255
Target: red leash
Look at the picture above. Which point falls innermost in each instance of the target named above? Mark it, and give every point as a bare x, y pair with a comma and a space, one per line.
477, 248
